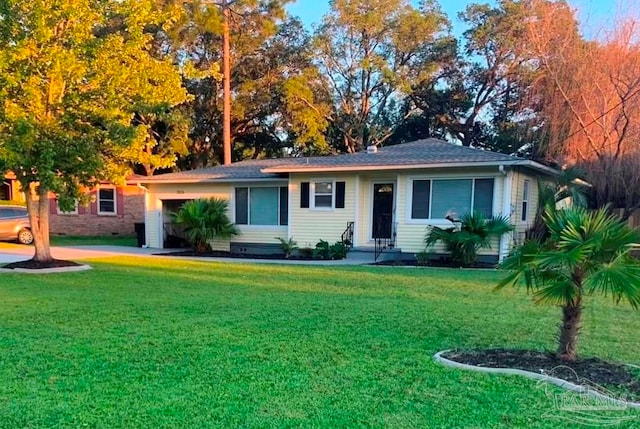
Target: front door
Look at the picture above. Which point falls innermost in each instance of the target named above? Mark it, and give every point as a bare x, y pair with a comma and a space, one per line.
382, 210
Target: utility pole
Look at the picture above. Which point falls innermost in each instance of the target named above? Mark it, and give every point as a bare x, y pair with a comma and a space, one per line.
226, 82
225, 6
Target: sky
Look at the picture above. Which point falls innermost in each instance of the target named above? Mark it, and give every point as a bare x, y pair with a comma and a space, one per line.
594, 14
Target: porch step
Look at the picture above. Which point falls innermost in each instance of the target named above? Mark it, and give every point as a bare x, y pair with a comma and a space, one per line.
366, 254
372, 249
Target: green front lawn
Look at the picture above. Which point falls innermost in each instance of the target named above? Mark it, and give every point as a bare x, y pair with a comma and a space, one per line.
150, 343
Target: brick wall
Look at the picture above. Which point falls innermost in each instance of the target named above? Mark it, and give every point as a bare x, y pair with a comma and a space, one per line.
130, 210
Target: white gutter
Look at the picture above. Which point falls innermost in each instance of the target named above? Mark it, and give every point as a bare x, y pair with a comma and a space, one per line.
505, 239
214, 180
520, 162
352, 168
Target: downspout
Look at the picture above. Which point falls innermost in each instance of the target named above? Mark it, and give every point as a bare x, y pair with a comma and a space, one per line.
505, 239
356, 211
289, 205
146, 224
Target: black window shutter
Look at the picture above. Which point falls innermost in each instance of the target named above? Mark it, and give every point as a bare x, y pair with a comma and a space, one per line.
420, 199
284, 205
242, 206
340, 195
304, 195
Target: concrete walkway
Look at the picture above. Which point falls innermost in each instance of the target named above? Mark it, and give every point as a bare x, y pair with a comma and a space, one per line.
20, 253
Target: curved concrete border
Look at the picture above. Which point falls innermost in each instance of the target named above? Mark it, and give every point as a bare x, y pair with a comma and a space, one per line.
71, 269
535, 376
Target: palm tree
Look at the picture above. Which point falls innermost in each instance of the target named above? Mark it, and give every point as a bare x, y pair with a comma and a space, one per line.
204, 220
475, 233
586, 252
568, 187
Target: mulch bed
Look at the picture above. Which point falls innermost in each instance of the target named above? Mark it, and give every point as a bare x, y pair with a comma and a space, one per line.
221, 254
37, 265
433, 263
621, 378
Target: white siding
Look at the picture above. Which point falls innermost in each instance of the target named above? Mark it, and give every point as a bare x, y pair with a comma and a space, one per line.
517, 190
365, 210
260, 234
307, 226
152, 214
411, 233
248, 233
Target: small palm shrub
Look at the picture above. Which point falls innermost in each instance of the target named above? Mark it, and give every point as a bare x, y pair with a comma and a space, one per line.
586, 252
338, 250
324, 250
568, 186
288, 246
203, 220
475, 233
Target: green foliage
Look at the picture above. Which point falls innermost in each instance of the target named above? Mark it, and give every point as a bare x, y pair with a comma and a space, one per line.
232, 338
204, 220
422, 258
73, 75
371, 60
322, 250
568, 189
487, 69
593, 244
288, 246
586, 252
272, 78
335, 251
160, 139
306, 252
475, 233
338, 250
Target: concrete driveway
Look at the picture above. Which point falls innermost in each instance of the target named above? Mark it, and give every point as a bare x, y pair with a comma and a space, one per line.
13, 253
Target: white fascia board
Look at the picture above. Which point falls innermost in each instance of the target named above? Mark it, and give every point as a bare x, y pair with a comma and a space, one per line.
225, 180
342, 168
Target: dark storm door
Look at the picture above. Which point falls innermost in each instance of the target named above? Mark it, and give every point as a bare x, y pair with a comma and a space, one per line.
382, 210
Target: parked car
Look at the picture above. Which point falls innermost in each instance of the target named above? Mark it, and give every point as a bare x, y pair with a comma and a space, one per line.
14, 224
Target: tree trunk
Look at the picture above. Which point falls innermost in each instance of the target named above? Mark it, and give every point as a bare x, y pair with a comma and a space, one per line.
569, 330
39, 218
226, 83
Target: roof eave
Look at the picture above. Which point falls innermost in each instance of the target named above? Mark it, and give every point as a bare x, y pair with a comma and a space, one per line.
213, 180
541, 167
342, 168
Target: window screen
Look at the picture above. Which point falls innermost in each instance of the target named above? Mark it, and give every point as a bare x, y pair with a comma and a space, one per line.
483, 197
323, 194
242, 206
450, 197
107, 200
263, 207
420, 199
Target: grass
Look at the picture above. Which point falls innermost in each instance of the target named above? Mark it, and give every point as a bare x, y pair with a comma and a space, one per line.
111, 240
162, 343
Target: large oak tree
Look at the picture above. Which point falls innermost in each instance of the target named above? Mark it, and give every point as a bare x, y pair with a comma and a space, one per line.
73, 76
371, 54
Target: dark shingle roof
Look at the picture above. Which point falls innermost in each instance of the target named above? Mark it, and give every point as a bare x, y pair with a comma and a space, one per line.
249, 169
419, 154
